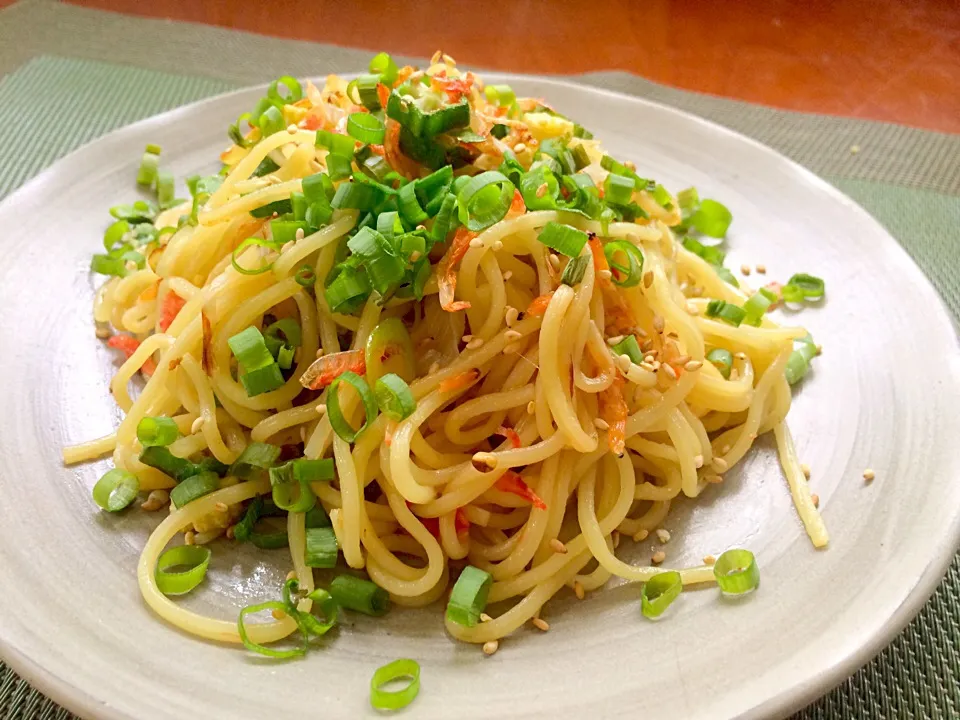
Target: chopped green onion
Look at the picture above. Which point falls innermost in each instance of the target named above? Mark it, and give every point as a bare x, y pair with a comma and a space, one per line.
384, 65
263, 649
711, 218
282, 483
284, 231
339, 167
116, 489
285, 357
196, 560
328, 606
139, 212
260, 371
484, 200
288, 328
579, 131
618, 190
395, 699
338, 422
736, 572
618, 168
336, 143
107, 265
689, 199
360, 595
469, 596
149, 163
628, 275
193, 487
728, 312
575, 270
350, 286
271, 121
798, 364
394, 397
530, 184
433, 188
662, 197
722, 360
322, 548
389, 349
259, 242
725, 275
308, 470
114, 234
356, 196
423, 124
803, 287
294, 91
366, 87
409, 205
446, 219
756, 305
365, 127
581, 158
162, 459
564, 239
306, 276
254, 459
710, 253
502, 95
166, 189
629, 347
317, 517
157, 431
659, 592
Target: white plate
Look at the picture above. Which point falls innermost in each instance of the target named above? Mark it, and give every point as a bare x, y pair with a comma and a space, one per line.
884, 395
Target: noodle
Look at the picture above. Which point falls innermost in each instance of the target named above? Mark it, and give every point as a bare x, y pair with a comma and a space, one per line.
529, 431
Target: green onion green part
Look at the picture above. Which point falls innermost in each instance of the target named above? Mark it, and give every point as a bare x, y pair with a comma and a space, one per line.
360, 595
575, 270
338, 422
193, 487
628, 275
629, 347
397, 670
322, 548
469, 596
116, 489
194, 558
394, 397
722, 360
563, 238
659, 592
728, 312
157, 431
711, 218
736, 572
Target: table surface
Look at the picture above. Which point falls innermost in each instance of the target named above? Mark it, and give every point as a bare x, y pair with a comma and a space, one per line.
891, 60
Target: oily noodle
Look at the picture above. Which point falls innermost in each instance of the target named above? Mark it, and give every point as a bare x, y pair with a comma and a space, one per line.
549, 377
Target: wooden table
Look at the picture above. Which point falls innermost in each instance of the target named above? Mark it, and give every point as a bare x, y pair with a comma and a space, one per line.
893, 60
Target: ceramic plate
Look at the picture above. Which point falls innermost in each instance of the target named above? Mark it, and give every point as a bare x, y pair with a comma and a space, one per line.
72, 620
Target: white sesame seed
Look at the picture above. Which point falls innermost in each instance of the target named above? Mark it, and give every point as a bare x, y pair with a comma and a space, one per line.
623, 362
102, 333
709, 559
320, 409
658, 557
414, 256
648, 278
508, 274
498, 245
605, 274
693, 365
648, 367
720, 464
611, 341
435, 58
554, 261
541, 624
299, 234
319, 353
448, 60
869, 475
512, 335
816, 500
629, 165
668, 369
519, 148
130, 265
292, 129
558, 546
511, 316
292, 575
220, 507
641, 535
854, 149
197, 425
278, 614
155, 500
578, 590
698, 460
467, 338
663, 536
189, 537
658, 323
531, 407
762, 269
490, 647
601, 424
484, 461
715, 479
434, 367
475, 343
745, 269
615, 537
485, 618
725, 449
692, 309
805, 469
476, 243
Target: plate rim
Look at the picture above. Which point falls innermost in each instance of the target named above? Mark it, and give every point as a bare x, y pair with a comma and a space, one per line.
783, 701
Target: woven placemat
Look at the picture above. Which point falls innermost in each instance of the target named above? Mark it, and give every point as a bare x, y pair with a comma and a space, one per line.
104, 71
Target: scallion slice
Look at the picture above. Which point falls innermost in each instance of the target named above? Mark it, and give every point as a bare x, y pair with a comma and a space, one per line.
292, 86
659, 592
628, 275
196, 560
322, 548
629, 347
307, 470
263, 649
337, 144
360, 595
254, 459
798, 364
728, 312
306, 276
736, 572
618, 190
338, 422
711, 218
394, 397
259, 242
193, 487
282, 482
149, 163
157, 431
116, 489
162, 459
395, 699
722, 360
756, 305
502, 95
356, 196
575, 270
484, 200
469, 596
365, 127
262, 380
803, 287
409, 205
384, 65
114, 234
563, 238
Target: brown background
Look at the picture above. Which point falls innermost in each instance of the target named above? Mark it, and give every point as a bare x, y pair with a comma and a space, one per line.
893, 60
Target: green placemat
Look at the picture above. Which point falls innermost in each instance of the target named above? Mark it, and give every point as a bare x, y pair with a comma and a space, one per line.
103, 71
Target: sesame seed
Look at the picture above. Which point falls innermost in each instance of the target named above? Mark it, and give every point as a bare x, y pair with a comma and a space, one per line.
230, 532
558, 546
531, 408
693, 365
641, 535
854, 149
319, 353
605, 274
720, 464
740, 356
745, 269
541, 624
519, 148
485, 618
692, 309
816, 500
467, 338
476, 242
484, 461
725, 449
715, 479
299, 235
709, 559
554, 261
649, 358
508, 274
611, 341
490, 647
629, 165
648, 278
498, 245
512, 335
435, 58
869, 475
103, 333
578, 590
197, 425
648, 367
475, 343
668, 369
663, 536
658, 323
512, 314
220, 507
698, 460
414, 256
189, 537
278, 614
762, 269
542, 190
292, 129
623, 362
658, 557
805, 469
601, 424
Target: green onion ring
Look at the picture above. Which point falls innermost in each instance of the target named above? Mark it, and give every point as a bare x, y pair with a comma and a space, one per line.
659, 592
243, 246
337, 421
478, 208
116, 490
397, 699
736, 572
306, 276
263, 649
633, 272
197, 560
